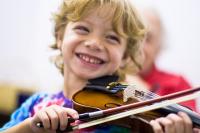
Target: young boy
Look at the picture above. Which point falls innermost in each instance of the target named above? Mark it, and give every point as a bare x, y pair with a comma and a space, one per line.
96, 38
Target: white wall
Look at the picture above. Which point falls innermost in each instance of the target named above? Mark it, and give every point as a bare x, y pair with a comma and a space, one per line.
26, 32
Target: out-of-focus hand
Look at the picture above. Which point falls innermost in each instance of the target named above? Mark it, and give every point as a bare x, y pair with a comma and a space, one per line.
174, 123
196, 130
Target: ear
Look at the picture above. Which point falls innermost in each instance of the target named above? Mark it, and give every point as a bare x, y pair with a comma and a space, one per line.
59, 42
125, 61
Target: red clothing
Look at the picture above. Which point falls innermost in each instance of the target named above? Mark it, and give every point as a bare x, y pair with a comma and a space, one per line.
164, 83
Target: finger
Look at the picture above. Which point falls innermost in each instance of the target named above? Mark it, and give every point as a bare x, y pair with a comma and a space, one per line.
53, 118
178, 122
196, 130
63, 119
167, 124
71, 112
187, 122
156, 126
44, 119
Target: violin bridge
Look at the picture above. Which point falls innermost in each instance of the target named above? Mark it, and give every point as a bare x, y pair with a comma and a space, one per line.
132, 92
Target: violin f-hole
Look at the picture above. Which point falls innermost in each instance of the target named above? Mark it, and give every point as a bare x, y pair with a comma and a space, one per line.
111, 105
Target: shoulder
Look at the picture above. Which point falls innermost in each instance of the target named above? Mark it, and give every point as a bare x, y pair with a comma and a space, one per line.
171, 82
172, 78
162, 76
24, 110
47, 99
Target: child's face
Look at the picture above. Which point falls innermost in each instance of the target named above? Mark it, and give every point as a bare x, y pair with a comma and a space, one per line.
90, 47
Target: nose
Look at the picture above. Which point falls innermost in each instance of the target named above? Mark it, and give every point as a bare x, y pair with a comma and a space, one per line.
94, 44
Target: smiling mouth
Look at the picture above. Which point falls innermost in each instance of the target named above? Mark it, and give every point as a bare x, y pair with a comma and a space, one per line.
90, 59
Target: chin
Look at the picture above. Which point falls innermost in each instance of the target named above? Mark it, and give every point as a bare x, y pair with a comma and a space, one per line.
90, 75
86, 76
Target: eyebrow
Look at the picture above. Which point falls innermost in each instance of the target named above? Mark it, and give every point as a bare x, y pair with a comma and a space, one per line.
86, 21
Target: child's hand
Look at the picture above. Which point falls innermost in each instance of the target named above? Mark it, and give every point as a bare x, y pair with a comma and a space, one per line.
53, 117
173, 123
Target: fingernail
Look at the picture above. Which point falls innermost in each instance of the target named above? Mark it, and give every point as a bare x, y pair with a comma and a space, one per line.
152, 121
75, 115
196, 130
62, 128
181, 113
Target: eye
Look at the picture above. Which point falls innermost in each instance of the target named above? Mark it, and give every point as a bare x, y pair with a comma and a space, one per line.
113, 39
81, 29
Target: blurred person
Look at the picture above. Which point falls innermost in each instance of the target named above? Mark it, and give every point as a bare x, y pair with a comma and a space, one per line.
156, 80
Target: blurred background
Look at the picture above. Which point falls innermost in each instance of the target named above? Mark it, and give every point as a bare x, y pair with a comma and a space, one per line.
26, 33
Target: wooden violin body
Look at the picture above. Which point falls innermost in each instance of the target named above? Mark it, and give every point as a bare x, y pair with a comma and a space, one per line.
95, 100
97, 97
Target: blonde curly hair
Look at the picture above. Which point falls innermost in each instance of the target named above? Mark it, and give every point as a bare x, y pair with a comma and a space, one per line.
124, 13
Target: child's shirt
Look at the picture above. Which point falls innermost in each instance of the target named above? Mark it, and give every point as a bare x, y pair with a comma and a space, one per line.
42, 100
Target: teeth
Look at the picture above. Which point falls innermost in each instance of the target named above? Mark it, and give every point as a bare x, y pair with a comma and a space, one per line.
90, 59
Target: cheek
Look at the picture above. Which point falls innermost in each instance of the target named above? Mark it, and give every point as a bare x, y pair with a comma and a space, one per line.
69, 43
67, 50
147, 50
117, 57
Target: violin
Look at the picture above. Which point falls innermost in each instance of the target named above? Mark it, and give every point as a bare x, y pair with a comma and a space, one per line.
97, 96
105, 101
